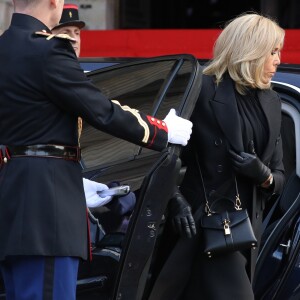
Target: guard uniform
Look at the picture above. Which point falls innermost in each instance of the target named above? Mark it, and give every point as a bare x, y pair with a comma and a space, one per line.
43, 91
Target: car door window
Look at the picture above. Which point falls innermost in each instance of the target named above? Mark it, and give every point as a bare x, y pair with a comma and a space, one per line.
137, 86
153, 86
175, 94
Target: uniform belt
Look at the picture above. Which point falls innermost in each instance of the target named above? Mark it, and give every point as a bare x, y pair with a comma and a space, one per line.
49, 151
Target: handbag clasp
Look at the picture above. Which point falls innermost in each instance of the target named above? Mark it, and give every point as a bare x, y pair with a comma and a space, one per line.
227, 230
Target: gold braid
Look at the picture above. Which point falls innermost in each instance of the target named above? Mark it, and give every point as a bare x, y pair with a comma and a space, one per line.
79, 129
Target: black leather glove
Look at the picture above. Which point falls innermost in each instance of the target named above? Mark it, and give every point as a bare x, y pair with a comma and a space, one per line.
249, 165
181, 214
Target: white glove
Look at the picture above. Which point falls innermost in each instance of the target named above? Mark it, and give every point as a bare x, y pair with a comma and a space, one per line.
92, 198
179, 129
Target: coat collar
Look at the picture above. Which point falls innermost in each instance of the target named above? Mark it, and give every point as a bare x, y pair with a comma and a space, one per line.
226, 112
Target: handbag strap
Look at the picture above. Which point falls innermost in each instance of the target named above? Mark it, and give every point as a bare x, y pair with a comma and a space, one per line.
208, 211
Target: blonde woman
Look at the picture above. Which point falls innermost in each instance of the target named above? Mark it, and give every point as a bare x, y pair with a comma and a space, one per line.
236, 134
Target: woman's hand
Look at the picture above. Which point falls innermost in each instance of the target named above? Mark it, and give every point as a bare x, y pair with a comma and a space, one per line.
181, 214
250, 166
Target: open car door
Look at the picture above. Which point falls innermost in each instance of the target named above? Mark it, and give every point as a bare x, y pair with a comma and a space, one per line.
123, 258
279, 256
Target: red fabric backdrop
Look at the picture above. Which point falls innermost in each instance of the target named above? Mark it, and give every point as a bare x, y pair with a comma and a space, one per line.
147, 43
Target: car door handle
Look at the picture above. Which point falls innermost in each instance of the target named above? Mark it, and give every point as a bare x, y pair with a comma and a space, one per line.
286, 246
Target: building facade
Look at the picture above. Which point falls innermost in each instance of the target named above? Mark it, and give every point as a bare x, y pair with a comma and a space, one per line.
97, 14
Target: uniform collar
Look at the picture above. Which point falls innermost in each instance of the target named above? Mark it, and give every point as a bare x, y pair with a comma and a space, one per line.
28, 22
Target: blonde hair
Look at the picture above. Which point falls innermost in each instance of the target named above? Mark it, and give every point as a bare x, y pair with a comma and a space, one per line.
242, 48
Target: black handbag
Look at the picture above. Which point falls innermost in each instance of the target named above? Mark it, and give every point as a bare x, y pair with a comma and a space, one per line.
226, 230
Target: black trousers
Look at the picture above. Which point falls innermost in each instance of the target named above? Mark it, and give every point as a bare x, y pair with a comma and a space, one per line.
223, 277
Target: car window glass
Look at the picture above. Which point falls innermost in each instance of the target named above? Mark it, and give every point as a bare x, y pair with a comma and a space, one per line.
175, 93
137, 86
176, 90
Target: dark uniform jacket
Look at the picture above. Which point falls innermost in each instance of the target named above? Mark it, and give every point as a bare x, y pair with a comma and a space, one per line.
217, 128
43, 91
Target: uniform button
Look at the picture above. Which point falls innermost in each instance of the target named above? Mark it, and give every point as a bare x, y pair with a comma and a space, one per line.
218, 142
152, 119
219, 168
257, 215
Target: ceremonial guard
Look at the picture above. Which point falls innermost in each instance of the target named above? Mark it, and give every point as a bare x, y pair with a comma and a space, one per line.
43, 91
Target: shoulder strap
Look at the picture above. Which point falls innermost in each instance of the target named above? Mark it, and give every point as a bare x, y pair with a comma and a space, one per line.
208, 211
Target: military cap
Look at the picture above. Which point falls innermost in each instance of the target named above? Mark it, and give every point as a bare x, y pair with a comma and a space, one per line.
70, 17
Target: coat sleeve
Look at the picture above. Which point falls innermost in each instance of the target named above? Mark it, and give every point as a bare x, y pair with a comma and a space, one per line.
68, 87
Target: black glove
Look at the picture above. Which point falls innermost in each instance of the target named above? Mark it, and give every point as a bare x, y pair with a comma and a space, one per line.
181, 214
249, 165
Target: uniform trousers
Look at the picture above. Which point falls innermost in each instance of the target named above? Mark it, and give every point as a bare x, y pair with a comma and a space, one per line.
40, 277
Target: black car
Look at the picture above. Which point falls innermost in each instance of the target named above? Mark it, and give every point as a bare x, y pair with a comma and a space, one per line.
129, 249
278, 265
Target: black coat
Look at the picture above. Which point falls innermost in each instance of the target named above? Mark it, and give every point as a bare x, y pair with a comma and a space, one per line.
216, 128
43, 91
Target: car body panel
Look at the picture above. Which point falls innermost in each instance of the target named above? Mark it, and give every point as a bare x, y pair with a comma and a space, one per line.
156, 190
